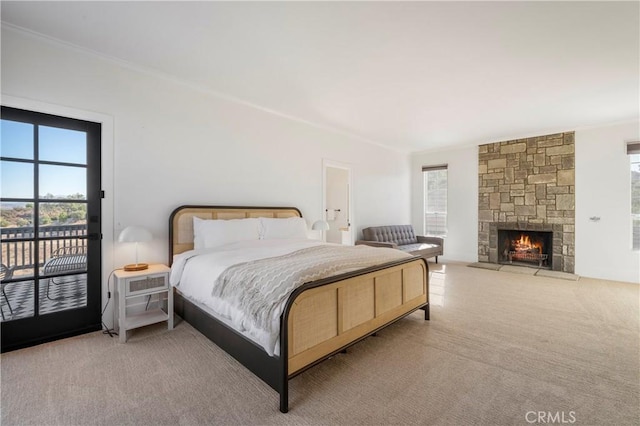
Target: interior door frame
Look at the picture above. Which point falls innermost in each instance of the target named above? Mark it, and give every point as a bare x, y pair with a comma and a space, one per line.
327, 163
107, 181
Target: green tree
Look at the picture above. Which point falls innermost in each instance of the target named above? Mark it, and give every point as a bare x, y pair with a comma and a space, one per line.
76, 215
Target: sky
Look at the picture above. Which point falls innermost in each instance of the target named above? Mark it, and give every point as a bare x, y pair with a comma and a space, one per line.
55, 144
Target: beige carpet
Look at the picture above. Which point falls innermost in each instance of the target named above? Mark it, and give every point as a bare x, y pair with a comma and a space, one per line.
526, 270
499, 349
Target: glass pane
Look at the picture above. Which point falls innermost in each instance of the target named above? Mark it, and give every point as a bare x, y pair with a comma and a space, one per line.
63, 293
16, 139
64, 268
63, 219
435, 202
63, 255
17, 179
19, 302
436, 187
635, 184
62, 145
18, 257
63, 182
16, 220
635, 200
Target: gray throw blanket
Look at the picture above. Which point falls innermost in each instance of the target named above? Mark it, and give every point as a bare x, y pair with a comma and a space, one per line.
260, 288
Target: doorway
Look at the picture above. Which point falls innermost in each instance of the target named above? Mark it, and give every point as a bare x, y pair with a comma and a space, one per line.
51, 227
337, 206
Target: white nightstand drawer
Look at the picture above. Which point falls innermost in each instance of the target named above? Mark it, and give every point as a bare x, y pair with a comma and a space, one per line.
147, 284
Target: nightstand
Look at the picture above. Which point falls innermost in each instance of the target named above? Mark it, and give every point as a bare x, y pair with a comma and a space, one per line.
139, 286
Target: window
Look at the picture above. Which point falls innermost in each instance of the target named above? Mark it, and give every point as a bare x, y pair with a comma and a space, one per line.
435, 200
633, 149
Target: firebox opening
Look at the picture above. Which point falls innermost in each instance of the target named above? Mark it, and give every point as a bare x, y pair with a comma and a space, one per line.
526, 248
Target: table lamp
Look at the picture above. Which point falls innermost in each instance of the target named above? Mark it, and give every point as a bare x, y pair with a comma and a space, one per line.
320, 225
135, 234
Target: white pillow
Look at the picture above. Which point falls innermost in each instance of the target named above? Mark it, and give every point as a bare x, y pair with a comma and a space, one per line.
291, 227
214, 233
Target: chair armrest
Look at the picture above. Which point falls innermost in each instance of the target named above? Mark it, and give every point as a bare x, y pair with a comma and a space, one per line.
376, 243
431, 240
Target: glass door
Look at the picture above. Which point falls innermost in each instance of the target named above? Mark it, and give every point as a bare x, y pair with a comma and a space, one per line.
50, 225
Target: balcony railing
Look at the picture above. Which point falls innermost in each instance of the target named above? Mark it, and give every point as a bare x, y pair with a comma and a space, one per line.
20, 253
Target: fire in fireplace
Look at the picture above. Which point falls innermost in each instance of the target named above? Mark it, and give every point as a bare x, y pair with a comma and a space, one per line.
528, 248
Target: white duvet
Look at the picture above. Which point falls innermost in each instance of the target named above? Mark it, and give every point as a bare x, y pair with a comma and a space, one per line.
194, 273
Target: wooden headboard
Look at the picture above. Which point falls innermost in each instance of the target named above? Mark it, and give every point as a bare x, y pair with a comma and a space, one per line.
181, 221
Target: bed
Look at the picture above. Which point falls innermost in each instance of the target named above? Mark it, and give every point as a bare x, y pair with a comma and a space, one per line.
317, 320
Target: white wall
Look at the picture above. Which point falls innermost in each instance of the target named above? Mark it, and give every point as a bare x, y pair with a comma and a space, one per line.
603, 189
603, 249
174, 145
461, 243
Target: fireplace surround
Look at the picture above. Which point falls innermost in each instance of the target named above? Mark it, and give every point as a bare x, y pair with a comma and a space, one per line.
528, 185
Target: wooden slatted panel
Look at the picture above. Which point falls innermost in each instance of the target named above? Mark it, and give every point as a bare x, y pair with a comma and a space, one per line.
356, 304
283, 214
261, 213
315, 320
388, 291
233, 214
278, 214
413, 286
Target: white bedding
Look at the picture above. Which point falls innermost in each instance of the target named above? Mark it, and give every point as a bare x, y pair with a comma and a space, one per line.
194, 273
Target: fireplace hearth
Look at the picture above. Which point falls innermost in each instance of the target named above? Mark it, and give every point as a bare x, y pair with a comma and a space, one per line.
526, 248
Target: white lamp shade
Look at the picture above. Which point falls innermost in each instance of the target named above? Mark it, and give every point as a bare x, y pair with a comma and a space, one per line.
135, 234
320, 225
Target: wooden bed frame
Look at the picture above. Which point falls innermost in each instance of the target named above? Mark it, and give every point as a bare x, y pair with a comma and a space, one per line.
320, 319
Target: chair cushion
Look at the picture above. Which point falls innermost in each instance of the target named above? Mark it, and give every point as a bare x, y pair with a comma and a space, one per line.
418, 247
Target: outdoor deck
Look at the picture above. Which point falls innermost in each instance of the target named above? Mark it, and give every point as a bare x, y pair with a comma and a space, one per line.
19, 254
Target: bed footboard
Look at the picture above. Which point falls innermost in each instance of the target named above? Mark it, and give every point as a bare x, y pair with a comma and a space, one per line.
327, 316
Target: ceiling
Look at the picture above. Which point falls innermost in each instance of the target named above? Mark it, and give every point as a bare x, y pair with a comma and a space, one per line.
414, 76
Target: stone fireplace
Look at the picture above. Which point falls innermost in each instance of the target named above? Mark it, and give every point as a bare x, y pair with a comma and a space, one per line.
527, 193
